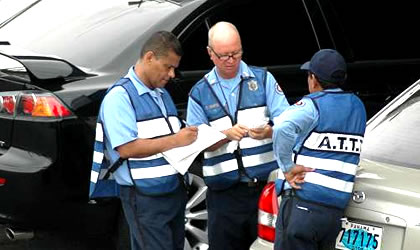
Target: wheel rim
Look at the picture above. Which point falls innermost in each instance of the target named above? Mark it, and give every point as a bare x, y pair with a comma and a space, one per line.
196, 216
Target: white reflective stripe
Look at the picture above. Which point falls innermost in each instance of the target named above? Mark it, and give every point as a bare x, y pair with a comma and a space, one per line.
94, 176
152, 128
226, 148
99, 134
327, 164
253, 117
254, 160
175, 123
152, 172
267, 219
221, 123
152, 157
220, 168
231, 146
248, 142
334, 142
329, 182
98, 157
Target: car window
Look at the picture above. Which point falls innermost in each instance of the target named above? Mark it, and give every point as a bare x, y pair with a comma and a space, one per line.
393, 136
272, 33
377, 29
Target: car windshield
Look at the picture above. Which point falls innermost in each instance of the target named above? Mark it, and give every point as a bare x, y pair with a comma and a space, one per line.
393, 136
86, 33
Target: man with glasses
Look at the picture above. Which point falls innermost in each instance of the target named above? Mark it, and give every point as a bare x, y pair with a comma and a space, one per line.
241, 101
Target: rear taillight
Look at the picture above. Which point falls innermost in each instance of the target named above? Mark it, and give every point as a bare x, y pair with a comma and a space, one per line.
2, 181
267, 213
7, 104
32, 105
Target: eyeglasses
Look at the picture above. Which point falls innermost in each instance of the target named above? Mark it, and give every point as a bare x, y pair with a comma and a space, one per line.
234, 55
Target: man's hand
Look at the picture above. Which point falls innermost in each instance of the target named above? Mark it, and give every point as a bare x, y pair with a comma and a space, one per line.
236, 133
261, 133
296, 175
186, 136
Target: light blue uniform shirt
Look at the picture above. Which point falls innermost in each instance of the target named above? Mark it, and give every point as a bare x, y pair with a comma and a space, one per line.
227, 91
291, 128
119, 121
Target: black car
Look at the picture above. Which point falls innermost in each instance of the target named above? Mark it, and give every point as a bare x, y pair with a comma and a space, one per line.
59, 57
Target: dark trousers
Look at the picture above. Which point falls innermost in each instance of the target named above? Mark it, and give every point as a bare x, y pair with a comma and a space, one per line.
233, 217
303, 225
155, 222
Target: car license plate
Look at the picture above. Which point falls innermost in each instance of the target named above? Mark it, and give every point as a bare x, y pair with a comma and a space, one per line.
358, 236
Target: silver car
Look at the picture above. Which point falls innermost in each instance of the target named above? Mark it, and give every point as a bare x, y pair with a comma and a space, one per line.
384, 213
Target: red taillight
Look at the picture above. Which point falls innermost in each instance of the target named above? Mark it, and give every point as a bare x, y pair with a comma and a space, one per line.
267, 213
7, 104
33, 104
44, 105
2, 181
28, 104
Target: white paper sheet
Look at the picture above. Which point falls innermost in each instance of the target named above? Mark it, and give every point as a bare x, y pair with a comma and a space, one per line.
181, 158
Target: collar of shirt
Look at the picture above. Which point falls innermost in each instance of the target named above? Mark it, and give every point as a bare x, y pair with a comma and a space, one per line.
141, 88
333, 90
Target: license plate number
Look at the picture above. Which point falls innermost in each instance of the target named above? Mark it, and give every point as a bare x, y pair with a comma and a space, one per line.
359, 236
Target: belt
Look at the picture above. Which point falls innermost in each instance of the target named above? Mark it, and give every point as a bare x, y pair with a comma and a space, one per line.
288, 192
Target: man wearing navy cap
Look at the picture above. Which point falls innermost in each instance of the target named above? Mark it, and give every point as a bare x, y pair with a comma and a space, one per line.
317, 143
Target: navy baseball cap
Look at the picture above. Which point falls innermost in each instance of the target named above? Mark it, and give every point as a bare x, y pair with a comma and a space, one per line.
328, 65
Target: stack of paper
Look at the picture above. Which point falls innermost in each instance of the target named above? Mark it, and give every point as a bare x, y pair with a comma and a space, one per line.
181, 158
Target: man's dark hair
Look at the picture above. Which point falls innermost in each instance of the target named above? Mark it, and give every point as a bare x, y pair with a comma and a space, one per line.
160, 43
325, 84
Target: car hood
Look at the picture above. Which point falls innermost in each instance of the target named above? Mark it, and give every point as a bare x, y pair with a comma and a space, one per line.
387, 189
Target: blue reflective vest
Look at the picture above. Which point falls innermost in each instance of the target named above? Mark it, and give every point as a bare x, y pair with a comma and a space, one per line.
221, 167
152, 175
333, 149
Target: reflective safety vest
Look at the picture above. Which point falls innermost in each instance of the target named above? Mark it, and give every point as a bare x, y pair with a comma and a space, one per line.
152, 175
333, 149
221, 167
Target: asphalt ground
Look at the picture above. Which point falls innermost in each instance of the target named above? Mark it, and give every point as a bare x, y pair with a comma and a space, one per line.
43, 240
